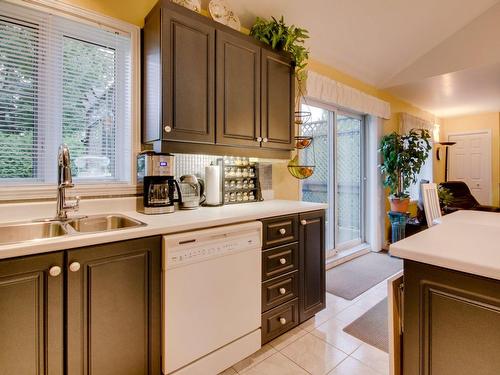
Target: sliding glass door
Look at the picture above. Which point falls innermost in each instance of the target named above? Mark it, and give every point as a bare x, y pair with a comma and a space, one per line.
339, 174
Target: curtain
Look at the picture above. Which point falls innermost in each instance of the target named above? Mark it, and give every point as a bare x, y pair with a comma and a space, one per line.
328, 91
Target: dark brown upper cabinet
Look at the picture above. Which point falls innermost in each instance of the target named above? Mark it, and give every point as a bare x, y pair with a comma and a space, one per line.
278, 93
312, 288
181, 87
31, 315
238, 91
210, 89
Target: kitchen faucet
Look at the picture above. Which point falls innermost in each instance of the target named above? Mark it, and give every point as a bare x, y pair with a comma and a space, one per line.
64, 181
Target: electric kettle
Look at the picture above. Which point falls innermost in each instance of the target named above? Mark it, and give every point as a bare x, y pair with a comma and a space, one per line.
192, 191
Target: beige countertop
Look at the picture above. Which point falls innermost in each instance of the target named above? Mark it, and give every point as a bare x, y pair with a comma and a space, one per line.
180, 221
466, 241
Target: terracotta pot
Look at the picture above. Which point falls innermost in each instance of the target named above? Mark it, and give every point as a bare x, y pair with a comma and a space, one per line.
399, 204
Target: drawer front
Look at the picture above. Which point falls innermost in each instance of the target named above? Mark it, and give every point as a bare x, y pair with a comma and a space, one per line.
279, 320
280, 230
280, 290
279, 260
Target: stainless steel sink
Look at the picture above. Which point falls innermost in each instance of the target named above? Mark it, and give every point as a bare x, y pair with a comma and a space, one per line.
102, 223
19, 232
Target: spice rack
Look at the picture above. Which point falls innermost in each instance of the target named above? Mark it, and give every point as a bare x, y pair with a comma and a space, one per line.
240, 180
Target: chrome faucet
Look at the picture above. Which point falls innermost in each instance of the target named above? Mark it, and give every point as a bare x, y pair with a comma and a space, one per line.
64, 181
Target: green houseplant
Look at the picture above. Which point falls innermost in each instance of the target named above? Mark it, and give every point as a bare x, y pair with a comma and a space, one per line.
403, 158
282, 37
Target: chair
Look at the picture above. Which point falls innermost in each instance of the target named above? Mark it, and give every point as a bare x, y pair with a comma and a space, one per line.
463, 198
431, 204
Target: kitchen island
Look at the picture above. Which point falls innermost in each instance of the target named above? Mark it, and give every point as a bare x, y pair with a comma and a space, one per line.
451, 318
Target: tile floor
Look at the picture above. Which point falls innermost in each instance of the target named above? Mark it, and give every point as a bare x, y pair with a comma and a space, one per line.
319, 346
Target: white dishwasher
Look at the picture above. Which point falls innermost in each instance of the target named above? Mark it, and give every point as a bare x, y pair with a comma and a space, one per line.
211, 298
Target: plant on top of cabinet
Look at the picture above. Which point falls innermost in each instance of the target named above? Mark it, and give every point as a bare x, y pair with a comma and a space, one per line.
282, 37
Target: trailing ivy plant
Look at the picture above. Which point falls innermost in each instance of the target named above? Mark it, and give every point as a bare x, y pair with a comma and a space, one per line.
403, 158
282, 37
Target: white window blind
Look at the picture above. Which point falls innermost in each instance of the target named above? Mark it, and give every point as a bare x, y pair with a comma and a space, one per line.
62, 81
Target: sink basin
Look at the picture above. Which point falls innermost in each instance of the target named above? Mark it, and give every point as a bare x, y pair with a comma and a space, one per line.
18, 232
102, 223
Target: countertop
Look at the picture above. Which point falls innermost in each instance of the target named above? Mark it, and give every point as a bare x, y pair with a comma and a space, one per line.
466, 241
180, 221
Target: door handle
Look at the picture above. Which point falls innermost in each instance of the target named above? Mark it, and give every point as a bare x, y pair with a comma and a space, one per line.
55, 271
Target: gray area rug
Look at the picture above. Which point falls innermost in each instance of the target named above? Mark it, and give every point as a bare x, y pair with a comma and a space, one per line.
356, 276
372, 327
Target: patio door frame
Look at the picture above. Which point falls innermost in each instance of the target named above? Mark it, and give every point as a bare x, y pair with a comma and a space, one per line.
332, 182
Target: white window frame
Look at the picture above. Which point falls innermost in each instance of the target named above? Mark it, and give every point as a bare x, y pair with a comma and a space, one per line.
44, 191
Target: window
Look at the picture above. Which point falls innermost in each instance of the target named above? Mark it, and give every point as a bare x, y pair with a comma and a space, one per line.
338, 175
63, 81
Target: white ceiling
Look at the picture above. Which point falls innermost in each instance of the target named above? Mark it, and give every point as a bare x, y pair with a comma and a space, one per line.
374, 40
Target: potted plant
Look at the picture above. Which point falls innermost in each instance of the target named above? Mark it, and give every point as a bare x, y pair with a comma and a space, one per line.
282, 37
403, 158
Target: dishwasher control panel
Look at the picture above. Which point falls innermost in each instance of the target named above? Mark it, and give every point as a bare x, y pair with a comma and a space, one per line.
200, 246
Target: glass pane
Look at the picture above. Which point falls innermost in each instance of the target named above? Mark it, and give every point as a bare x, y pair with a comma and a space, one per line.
89, 125
348, 181
316, 188
18, 101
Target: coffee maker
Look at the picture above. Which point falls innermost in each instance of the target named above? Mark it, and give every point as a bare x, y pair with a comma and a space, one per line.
155, 178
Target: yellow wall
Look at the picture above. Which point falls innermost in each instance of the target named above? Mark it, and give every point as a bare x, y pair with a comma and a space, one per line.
484, 121
132, 11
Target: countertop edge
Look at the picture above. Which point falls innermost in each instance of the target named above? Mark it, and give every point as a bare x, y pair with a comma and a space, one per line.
36, 247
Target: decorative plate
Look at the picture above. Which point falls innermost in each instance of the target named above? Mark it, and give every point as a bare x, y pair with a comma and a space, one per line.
220, 12
193, 5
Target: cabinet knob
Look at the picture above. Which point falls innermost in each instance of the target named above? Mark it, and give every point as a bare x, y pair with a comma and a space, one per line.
265, 140
303, 222
282, 321
168, 129
55, 271
282, 231
282, 290
282, 260
74, 267
259, 139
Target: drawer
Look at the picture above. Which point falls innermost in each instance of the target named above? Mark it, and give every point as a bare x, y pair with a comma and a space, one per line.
279, 260
280, 320
279, 290
280, 230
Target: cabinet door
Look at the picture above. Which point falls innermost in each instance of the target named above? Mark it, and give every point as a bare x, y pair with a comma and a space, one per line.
31, 315
238, 91
312, 264
451, 322
188, 60
278, 93
114, 309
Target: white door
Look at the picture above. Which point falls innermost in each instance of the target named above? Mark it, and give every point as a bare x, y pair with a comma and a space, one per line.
470, 162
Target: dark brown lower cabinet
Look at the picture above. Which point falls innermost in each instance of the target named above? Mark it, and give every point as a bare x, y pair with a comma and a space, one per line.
312, 286
107, 323
293, 271
31, 315
451, 322
114, 307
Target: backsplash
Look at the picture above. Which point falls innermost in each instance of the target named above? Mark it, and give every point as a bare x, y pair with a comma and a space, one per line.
195, 164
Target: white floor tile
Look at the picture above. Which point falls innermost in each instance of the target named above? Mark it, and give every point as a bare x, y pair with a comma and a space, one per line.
257, 357
372, 357
287, 338
277, 364
314, 355
332, 332
351, 366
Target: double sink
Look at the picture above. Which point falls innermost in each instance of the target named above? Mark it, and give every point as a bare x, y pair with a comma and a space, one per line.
37, 230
